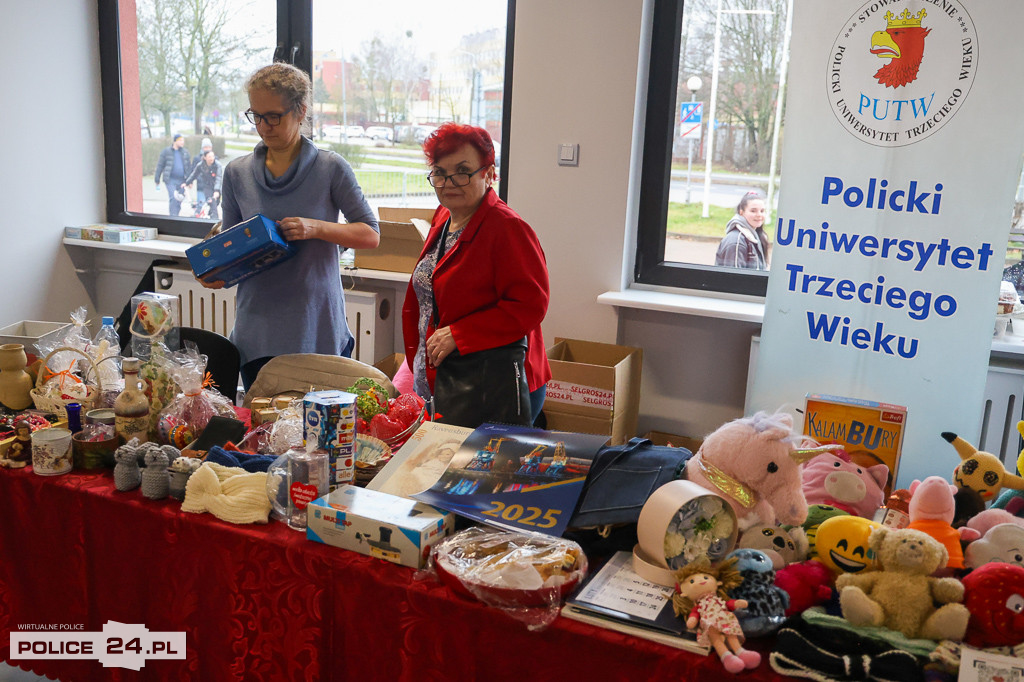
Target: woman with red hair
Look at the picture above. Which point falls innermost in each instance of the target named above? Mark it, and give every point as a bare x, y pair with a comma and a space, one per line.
482, 281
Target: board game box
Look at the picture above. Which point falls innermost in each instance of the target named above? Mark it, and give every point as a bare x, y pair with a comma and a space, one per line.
871, 432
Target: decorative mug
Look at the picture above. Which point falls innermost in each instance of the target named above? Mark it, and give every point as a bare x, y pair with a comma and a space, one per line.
51, 451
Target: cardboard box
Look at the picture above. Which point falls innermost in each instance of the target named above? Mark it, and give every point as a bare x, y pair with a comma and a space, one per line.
240, 252
30, 332
113, 234
391, 364
380, 525
405, 215
329, 419
400, 246
871, 432
663, 438
594, 388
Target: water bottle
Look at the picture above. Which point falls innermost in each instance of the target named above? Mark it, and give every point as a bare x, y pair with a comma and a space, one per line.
106, 352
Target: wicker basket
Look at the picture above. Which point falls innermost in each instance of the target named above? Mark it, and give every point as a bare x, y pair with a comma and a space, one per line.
49, 403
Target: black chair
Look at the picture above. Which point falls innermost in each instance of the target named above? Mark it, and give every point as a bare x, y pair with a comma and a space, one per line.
223, 359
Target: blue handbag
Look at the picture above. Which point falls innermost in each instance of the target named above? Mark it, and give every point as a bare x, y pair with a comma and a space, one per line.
621, 479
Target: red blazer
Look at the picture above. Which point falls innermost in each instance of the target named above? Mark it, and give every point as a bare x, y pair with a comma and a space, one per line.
491, 287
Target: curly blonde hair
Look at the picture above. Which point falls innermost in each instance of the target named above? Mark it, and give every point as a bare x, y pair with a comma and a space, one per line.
725, 573
290, 83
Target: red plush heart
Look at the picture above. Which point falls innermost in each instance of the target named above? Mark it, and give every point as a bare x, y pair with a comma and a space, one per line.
410, 399
302, 494
385, 427
362, 426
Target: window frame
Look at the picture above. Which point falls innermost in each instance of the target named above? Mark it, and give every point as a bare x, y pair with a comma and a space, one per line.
650, 266
294, 44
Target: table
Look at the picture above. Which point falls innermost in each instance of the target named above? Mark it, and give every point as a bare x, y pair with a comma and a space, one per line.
263, 603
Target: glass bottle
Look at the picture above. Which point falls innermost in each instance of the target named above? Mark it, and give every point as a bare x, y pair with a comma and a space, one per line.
131, 408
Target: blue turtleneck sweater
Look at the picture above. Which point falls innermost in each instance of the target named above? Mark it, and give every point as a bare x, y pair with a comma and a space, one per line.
296, 306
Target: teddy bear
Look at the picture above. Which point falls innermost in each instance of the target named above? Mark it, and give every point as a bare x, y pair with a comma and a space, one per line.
901, 595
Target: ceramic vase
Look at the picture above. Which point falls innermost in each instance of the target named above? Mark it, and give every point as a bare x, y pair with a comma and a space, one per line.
15, 382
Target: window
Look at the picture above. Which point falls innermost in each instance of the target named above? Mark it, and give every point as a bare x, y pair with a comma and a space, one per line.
384, 75
677, 239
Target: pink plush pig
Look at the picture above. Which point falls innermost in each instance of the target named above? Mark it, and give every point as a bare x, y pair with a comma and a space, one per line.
833, 479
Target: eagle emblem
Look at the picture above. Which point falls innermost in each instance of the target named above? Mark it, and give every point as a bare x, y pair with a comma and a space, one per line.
902, 42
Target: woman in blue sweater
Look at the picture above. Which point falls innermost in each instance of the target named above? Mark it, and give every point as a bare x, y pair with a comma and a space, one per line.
296, 306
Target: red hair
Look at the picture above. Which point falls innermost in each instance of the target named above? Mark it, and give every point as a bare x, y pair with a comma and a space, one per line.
449, 137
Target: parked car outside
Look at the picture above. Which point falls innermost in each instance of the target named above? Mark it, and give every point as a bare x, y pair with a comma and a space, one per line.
380, 133
356, 131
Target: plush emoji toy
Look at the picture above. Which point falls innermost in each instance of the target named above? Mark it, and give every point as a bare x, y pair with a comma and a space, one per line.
982, 471
834, 479
901, 595
766, 603
780, 545
994, 594
842, 544
1003, 543
932, 509
702, 596
808, 583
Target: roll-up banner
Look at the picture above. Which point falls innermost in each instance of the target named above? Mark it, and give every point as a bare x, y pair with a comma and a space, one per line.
902, 154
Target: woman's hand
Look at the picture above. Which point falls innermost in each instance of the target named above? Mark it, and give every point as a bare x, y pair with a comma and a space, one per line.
295, 229
440, 345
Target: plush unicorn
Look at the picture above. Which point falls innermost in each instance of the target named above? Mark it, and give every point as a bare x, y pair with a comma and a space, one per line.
754, 463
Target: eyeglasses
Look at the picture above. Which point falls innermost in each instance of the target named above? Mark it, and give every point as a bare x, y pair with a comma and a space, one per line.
458, 179
270, 119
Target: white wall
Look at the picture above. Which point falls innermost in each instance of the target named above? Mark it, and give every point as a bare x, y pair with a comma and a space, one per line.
53, 152
575, 80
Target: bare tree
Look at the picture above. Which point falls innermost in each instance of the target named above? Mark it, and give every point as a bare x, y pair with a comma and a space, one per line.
749, 64
160, 87
387, 74
189, 48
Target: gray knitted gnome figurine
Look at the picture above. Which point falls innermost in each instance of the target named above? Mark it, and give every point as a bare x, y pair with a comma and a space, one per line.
126, 471
156, 480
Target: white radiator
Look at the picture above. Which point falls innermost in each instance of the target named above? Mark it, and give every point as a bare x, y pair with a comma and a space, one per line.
369, 313
210, 309
1003, 407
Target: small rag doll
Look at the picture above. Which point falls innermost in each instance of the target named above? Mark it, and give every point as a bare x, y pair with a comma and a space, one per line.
702, 598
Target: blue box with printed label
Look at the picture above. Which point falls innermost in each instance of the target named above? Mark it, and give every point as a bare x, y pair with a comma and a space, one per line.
239, 252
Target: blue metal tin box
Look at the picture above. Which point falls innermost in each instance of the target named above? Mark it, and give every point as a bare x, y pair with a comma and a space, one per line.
247, 248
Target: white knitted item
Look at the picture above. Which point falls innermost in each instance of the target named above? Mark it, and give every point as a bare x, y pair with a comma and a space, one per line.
229, 493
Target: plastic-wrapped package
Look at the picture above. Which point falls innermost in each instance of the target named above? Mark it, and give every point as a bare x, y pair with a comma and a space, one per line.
525, 574
195, 405
160, 386
68, 374
286, 431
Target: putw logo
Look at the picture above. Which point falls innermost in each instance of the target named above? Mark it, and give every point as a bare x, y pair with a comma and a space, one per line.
931, 61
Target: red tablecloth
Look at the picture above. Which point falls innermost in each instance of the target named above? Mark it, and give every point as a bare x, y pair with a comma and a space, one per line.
263, 603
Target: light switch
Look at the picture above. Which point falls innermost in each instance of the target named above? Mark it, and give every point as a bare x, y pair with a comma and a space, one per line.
568, 155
